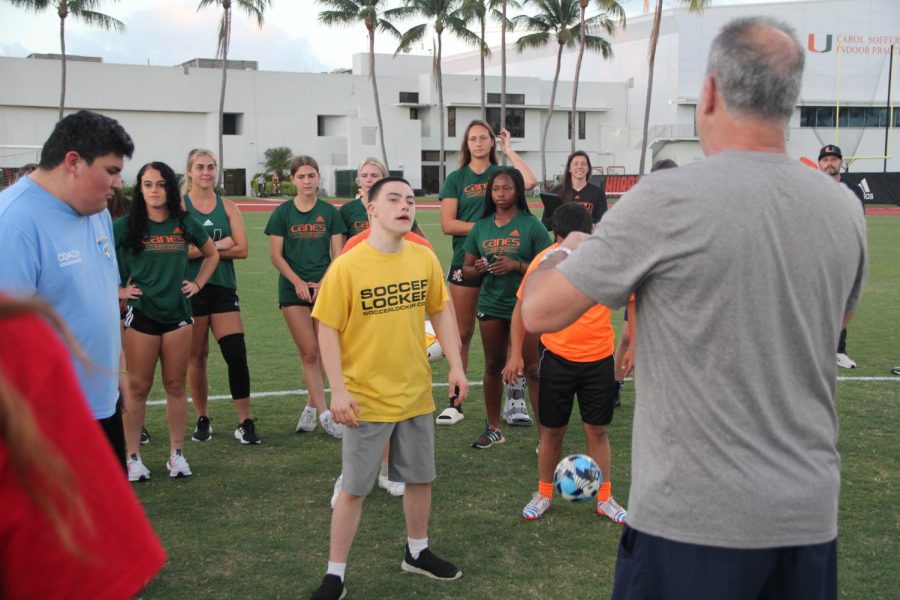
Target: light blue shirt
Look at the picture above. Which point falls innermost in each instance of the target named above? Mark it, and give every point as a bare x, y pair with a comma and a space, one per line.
67, 259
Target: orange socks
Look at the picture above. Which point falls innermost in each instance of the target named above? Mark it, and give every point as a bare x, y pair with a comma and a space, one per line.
545, 489
605, 491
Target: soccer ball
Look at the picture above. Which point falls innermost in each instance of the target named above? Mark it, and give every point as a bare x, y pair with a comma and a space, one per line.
432, 345
577, 478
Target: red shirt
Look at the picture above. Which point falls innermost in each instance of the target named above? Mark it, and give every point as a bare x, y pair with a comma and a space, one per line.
119, 553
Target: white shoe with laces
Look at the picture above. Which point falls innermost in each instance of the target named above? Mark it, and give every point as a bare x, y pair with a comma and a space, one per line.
307, 420
845, 362
333, 429
178, 466
611, 509
136, 469
394, 488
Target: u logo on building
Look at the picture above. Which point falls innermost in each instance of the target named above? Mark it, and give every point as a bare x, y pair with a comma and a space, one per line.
811, 43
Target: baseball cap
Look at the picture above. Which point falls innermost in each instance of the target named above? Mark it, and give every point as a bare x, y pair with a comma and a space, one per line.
830, 149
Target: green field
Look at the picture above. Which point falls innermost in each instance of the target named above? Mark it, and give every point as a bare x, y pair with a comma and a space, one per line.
254, 521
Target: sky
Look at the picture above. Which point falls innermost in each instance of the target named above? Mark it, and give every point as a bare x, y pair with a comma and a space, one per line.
170, 32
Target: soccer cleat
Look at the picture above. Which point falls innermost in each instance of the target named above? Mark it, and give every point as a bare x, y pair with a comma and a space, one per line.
537, 507
896, 370
331, 428
394, 488
515, 411
491, 436
338, 486
246, 432
845, 362
430, 565
178, 466
145, 436
610, 509
331, 588
203, 430
136, 469
307, 420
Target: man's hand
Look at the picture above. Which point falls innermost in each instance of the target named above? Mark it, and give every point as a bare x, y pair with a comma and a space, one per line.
344, 409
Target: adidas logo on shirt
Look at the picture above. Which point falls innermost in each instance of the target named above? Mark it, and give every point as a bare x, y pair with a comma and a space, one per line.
207, 223
177, 230
515, 232
320, 219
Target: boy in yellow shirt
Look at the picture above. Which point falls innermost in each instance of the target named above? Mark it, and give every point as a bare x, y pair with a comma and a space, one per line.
377, 292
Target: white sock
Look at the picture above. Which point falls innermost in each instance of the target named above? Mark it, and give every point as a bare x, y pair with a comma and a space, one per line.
416, 546
324, 416
336, 569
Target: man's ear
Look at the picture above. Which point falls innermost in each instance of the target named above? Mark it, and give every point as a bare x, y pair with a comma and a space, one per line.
708, 99
71, 160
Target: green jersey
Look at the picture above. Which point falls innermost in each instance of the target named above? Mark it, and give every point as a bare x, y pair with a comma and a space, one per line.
307, 241
356, 217
217, 227
469, 189
521, 239
161, 267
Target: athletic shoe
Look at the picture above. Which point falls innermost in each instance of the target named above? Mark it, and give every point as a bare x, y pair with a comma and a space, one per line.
333, 429
430, 565
332, 588
145, 436
845, 362
515, 411
203, 430
610, 509
338, 486
896, 370
246, 432
394, 488
491, 436
136, 469
307, 420
178, 466
537, 507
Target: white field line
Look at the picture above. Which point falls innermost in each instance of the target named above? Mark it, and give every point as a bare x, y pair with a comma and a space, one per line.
257, 395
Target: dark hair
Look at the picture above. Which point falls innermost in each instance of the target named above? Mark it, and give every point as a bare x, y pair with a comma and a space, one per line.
518, 183
89, 134
376, 187
571, 217
303, 161
665, 163
567, 193
465, 156
119, 204
137, 218
26, 169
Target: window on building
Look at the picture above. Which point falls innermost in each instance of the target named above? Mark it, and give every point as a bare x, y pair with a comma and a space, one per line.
582, 124
876, 117
431, 155
413, 114
510, 98
320, 125
409, 97
515, 120
451, 121
848, 116
232, 123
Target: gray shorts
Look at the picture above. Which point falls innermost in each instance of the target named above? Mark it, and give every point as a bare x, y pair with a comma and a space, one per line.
411, 457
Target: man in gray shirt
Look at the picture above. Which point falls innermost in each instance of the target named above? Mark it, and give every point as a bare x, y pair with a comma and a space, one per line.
745, 266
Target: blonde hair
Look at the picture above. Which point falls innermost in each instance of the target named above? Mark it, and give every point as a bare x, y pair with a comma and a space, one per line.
375, 163
193, 155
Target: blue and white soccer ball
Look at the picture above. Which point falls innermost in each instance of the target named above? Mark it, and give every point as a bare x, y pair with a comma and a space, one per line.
577, 478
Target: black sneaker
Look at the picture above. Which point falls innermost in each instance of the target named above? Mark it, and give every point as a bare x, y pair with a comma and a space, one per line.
246, 432
332, 588
145, 436
430, 565
203, 430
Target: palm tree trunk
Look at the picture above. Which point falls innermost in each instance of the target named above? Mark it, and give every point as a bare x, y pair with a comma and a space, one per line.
573, 117
503, 73
440, 82
375, 95
549, 116
62, 49
225, 43
654, 38
483, 105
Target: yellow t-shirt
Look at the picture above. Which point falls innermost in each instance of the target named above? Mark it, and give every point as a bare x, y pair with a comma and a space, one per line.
377, 303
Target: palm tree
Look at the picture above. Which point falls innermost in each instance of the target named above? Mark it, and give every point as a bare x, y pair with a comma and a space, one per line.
559, 19
442, 15
278, 160
79, 9
615, 18
253, 8
693, 6
347, 12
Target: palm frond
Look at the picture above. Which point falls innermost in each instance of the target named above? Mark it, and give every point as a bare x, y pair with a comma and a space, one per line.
533, 40
100, 20
410, 37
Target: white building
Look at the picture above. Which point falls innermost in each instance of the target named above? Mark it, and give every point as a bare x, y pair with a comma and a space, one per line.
169, 110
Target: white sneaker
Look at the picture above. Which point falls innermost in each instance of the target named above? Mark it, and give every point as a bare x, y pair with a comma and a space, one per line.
394, 488
610, 509
178, 466
136, 469
307, 420
331, 428
338, 486
845, 362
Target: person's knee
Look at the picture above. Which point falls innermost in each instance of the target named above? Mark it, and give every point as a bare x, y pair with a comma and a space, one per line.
174, 384
309, 354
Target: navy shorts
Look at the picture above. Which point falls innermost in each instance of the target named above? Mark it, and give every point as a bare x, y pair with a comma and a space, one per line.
650, 567
214, 299
561, 379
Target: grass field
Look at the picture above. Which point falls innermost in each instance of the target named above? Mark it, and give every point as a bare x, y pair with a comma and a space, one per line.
254, 521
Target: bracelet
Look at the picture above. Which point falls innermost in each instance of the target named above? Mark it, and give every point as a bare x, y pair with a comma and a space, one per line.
558, 250
123, 371
199, 287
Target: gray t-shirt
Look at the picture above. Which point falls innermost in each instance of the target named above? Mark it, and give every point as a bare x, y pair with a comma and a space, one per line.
743, 266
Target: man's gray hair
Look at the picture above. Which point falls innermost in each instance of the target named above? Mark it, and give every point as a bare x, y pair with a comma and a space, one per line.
755, 78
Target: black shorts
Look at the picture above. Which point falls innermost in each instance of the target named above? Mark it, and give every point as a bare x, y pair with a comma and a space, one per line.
135, 319
298, 302
455, 276
485, 317
594, 382
214, 299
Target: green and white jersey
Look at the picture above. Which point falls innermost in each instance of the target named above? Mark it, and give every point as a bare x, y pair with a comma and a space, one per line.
355, 216
469, 189
307, 241
217, 227
521, 239
161, 267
